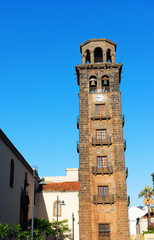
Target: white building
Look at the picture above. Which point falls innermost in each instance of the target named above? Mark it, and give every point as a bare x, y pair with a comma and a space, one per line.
16, 177
67, 189
135, 214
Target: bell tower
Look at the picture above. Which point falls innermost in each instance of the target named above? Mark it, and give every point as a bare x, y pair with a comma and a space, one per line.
103, 203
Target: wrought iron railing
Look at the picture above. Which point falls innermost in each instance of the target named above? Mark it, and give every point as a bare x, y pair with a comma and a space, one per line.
103, 115
125, 146
128, 199
77, 122
77, 146
123, 120
102, 170
106, 141
103, 199
98, 59
93, 89
126, 172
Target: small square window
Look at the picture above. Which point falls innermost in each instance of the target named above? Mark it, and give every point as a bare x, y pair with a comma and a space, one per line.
103, 191
101, 134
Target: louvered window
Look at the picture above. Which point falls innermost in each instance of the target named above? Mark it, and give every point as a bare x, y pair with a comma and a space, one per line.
104, 231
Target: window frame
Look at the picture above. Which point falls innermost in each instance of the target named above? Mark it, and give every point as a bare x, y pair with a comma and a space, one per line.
105, 231
102, 162
103, 190
100, 108
102, 135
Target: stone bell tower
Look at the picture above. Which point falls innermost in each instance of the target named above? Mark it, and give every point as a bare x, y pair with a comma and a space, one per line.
103, 203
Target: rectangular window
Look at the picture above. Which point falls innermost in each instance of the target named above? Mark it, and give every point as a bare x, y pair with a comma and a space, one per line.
102, 162
104, 231
103, 191
55, 209
99, 109
101, 134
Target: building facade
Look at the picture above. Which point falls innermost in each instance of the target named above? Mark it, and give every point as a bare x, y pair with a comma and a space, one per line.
16, 177
67, 190
103, 204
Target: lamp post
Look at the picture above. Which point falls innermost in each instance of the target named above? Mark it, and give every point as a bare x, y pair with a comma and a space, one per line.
153, 179
73, 219
33, 196
57, 216
63, 203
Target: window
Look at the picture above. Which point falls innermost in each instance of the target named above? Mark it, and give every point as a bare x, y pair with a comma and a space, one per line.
99, 109
101, 134
104, 231
12, 173
55, 209
102, 162
103, 191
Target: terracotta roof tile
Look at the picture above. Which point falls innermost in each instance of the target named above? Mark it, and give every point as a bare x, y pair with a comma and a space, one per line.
61, 186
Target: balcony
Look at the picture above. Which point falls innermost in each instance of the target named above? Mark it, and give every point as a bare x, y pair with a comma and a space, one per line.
125, 146
123, 120
128, 200
100, 116
103, 199
103, 170
101, 142
126, 172
77, 147
77, 122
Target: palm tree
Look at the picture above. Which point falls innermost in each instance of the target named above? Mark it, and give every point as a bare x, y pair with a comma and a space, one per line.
147, 193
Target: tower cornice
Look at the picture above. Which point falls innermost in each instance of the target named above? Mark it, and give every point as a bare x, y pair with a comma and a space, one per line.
97, 40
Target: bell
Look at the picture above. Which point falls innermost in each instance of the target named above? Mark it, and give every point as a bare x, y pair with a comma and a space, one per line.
92, 83
105, 83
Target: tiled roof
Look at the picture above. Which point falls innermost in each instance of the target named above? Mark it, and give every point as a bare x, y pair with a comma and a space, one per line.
61, 186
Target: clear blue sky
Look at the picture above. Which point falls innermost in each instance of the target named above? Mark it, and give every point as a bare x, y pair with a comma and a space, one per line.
39, 47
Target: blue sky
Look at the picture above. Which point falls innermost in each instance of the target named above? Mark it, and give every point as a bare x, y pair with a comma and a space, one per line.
39, 47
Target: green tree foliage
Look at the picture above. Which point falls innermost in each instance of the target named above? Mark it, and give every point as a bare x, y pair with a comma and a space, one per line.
62, 227
147, 193
41, 226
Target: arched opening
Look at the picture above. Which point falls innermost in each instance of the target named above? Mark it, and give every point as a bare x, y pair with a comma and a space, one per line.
12, 173
105, 84
98, 55
92, 84
87, 54
109, 55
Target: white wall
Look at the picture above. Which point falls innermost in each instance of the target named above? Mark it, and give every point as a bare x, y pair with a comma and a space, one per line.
10, 197
44, 207
134, 213
71, 175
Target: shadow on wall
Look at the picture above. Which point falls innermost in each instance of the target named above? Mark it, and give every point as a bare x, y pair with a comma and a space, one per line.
40, 207
41, 212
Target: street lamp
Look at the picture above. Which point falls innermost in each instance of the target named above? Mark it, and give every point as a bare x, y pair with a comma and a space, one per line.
73, 219
33, 196
63, 203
